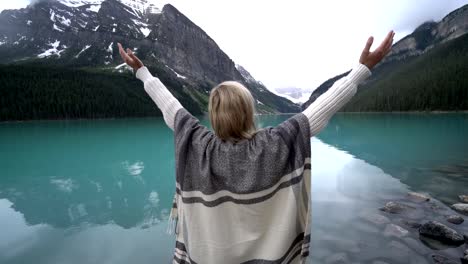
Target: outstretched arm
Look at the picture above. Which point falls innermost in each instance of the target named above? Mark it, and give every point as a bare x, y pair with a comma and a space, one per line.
327, 104
163, 98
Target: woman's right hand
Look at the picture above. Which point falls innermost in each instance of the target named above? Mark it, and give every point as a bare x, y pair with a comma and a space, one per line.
130, 58
370, 59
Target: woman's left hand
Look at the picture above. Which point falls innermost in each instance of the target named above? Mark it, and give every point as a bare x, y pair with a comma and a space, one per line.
130, 58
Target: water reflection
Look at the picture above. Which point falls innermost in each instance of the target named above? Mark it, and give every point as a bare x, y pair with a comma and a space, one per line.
98, 172
428, 152
86, 243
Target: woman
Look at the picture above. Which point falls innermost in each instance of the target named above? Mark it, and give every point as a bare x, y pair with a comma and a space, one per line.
243, 195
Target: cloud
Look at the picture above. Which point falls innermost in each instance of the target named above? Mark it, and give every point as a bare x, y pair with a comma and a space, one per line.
411, 15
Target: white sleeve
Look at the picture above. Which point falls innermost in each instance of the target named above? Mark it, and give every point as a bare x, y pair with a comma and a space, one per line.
327, 104
166, 102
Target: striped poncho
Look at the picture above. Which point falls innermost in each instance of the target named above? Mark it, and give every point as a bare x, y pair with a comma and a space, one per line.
244, 202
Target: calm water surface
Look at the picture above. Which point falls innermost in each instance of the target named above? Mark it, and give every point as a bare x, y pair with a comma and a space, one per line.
100, 191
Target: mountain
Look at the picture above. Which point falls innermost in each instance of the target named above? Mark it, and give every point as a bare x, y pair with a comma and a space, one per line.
295, 94
424, 71
64, 53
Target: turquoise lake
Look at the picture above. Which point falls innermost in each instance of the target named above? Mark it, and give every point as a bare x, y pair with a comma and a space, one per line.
99, 191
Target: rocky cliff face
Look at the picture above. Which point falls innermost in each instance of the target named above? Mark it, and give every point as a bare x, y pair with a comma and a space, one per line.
84, 33
430, 34
424, 38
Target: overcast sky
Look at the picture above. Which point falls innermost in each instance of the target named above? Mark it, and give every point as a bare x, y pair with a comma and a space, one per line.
297, 43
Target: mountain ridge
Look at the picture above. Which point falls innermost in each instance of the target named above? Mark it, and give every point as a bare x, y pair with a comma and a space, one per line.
85, 37
419, 43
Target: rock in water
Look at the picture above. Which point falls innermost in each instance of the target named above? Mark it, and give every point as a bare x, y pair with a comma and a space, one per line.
464, 260
418, 197
375, 218
410, 223
441, 233
439, 259
337, 258
394, 207
461, 207
455, 219
395, 230
463, 198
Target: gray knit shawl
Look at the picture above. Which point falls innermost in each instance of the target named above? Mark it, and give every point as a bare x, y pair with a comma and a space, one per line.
242, 202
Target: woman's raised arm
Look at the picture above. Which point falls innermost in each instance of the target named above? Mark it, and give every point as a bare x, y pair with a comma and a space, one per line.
163, 98
327, 104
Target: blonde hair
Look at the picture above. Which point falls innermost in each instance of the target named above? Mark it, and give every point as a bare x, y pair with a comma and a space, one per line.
231, 109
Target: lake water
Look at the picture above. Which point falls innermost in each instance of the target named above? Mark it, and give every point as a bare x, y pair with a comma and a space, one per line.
99, 191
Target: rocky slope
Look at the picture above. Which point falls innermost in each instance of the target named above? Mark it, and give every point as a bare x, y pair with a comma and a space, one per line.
82, 34
406, 71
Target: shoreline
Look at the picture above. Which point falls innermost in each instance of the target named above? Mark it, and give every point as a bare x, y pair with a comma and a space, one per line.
148, 117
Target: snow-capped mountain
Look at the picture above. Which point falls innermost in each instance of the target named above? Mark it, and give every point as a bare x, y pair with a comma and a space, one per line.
84, 33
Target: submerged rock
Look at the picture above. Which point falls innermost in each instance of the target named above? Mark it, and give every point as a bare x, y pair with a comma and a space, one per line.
410, 223
401, 253
416, 245
395, 230
441, 233
337, 258
418, 197
455, 219
461, 207
366, 228
394, 207
439, 259
375, 218
463, 198
340, 244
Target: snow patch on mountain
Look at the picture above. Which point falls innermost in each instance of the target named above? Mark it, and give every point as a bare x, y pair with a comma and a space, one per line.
135, 4
145, 31
139, 23
76, 3
63, 20
82, 24
110, 49
123, 67
20, 39
176, 73
94, 8
245, 73
52, 15
52, 51
57, 28
83, 50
